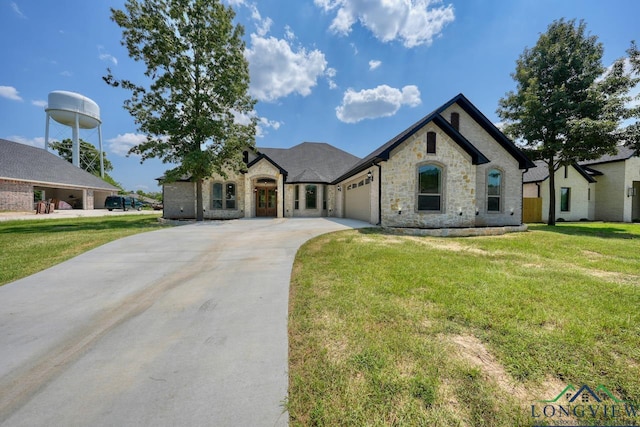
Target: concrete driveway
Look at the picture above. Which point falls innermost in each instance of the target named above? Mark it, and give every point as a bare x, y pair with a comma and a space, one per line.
182, 326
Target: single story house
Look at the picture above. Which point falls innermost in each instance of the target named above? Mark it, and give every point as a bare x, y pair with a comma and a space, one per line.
28, 174
453, 168
605, 189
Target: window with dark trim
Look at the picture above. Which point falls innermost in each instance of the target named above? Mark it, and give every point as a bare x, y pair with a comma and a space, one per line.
296, 197
455, 121
431, 143
230, 196
216, 196
324, 197
311, 196
429, 188
565, 199
566, 172
494, 190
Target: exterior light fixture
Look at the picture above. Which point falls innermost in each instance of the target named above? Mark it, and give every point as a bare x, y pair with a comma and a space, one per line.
339, 187
460, 211
631, 191
370, 175
477, 211
511, 212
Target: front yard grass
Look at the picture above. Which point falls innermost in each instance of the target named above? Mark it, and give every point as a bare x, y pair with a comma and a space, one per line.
391, 330
29, 246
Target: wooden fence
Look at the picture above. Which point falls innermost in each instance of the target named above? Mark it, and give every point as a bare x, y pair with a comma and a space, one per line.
532, 209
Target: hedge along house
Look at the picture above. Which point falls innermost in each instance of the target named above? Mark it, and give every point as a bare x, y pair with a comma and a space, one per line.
453, 168
29, 173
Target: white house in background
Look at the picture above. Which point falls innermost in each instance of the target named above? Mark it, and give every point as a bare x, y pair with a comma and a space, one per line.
453, 168
605, 189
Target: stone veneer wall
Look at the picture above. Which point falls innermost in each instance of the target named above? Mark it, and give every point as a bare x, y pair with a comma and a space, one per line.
207, 196
500, 159
400, 186
16, 196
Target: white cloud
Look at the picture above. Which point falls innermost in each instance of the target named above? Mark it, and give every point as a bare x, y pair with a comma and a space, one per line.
264, 124
288, 33
382, 101
104, 56
16, 9
39, 103
66, 74
34, 142
121, 144
330, 73
9, 92
373, 64
278, 71
413, 22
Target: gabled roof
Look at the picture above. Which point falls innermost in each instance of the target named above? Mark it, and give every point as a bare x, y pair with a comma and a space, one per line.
309, 161
623, 153
382, 153
541, 172
490, 128
22, 162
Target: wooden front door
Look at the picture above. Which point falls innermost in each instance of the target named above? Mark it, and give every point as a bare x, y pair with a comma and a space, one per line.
266, 201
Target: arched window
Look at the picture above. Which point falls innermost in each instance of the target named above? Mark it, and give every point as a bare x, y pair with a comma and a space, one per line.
223, 196
494, 190
429, 188
230, 196
216, 196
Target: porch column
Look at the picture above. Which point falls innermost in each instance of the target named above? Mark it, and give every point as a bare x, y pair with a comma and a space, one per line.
280, 196
248, 197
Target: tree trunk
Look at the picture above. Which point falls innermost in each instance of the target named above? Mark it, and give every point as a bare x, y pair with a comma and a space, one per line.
552, 193
199, 203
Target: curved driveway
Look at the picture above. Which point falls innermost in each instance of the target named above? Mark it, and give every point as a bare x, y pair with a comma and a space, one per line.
182, 326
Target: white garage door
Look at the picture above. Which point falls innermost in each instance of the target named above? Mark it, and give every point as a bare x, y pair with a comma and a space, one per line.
358, 200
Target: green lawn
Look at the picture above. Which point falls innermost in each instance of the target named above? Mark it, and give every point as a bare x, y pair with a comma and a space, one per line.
29, 246
390, 330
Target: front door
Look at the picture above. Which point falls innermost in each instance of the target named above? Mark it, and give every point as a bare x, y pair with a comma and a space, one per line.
266, 201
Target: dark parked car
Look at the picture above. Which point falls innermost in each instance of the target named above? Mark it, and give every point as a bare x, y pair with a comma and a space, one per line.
121, 202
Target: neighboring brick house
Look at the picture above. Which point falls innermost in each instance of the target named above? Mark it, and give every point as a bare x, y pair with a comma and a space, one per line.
575, 192
453, 168
28, 172
605, 189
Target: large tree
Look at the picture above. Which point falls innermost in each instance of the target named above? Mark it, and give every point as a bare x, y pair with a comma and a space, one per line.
567, 105
196, 86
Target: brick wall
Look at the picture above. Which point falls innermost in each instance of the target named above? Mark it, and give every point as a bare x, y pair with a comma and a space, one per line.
16, 196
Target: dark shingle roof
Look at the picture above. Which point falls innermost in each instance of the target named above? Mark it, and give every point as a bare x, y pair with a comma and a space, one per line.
541, 172
623, 153
22, 162
310, 161
383, 152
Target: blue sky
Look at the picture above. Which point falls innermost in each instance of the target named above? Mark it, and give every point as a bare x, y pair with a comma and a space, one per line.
352, 73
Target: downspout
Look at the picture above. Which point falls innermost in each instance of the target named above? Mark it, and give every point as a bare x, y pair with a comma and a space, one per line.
379, 193
522, 197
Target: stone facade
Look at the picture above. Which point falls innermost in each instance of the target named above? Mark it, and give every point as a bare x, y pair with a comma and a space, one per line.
400, 184
510, 212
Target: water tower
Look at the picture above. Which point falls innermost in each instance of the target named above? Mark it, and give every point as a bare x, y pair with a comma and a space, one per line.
78, 112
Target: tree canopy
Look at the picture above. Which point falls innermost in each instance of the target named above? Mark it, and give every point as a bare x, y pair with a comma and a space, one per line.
195, 90
567, 105
89, 155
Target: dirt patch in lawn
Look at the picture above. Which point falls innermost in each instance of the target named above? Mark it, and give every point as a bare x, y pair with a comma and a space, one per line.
472, 350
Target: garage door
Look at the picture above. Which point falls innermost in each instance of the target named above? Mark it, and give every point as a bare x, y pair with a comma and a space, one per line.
358, 200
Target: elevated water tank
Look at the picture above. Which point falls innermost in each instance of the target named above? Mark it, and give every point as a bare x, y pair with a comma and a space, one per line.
64, 106
78, 112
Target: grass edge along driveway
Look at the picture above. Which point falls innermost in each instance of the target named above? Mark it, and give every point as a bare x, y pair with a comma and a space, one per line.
391, 330
30, 246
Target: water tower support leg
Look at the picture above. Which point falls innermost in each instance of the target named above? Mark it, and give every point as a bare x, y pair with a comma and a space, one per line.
101, 152
75, 145
46, 133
